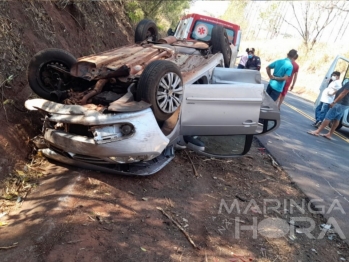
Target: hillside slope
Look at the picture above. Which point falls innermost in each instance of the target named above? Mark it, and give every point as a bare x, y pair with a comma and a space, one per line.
82, 28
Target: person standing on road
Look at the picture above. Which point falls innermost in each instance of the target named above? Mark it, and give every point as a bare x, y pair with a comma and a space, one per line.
327, 98
253, 61
335, 113
282, 71
243, 60
289, 80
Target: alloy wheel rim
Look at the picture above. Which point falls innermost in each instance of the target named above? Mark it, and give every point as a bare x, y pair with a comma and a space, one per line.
169, 93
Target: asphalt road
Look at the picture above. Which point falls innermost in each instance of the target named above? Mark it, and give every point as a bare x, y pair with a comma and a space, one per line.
317, 165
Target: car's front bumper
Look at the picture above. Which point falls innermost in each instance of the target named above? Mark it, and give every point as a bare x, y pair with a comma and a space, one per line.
133, 169
108, 144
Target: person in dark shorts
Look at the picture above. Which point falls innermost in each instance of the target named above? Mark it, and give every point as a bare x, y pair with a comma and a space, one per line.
253, 61
282, 71
337, 108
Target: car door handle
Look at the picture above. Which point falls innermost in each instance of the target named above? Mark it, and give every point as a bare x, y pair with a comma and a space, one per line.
223, 99
266, 108
249, 122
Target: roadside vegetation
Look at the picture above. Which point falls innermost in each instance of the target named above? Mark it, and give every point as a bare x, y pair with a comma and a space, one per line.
166, 14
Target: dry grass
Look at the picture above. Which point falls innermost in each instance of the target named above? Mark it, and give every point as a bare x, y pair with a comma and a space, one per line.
313, 65
16, 186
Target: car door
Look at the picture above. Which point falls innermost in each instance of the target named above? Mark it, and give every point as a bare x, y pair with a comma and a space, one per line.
269, 116
223, 117
340, 64
221, 109
345, 119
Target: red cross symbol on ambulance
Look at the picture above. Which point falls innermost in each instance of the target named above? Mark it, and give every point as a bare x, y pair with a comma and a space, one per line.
201, 31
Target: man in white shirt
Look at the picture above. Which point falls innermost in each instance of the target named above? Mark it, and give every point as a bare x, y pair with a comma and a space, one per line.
327, 98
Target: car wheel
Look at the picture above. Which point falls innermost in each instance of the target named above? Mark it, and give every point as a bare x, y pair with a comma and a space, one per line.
220, 43
161, 85
46, 71
146, 29
339, 126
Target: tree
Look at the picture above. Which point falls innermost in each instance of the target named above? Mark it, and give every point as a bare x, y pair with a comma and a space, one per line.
344, 7
153, 9
173, 10
270, 17
235, 13
310, 18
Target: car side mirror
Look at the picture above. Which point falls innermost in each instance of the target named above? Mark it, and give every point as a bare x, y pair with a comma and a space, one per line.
265, 126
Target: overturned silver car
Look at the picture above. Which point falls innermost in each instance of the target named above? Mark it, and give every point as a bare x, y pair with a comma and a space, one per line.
128, 117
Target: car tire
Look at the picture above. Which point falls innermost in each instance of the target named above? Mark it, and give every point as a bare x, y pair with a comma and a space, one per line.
43, 79
161, 85
145, 29
220, 43
339, 126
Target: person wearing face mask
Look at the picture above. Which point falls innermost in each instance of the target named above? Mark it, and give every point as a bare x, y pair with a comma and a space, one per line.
253, 61
327, 98
335, 113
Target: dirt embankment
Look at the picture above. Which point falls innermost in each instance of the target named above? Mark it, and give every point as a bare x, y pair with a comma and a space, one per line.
82, 28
